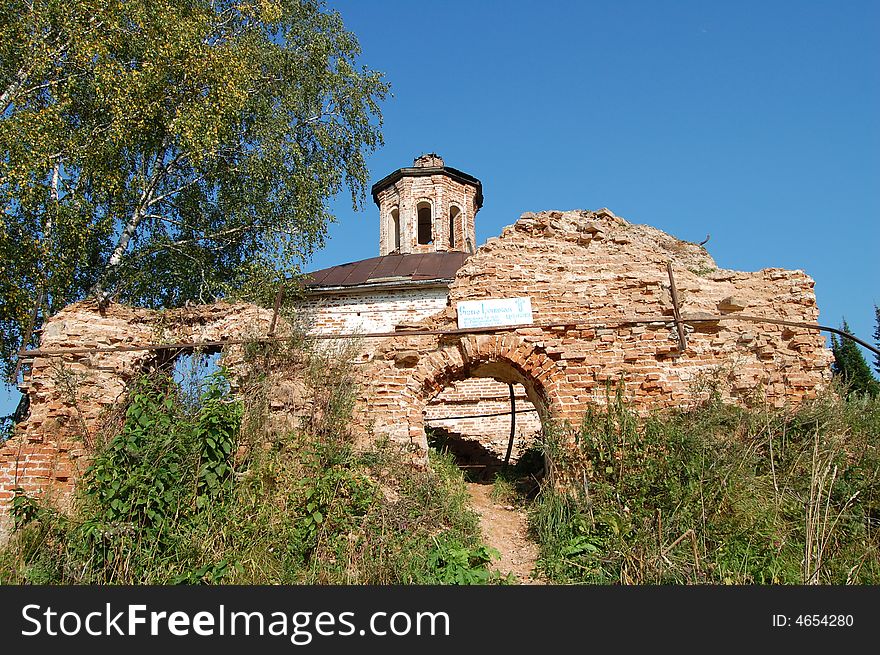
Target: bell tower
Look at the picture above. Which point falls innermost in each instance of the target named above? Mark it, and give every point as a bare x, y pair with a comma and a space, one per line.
427, 208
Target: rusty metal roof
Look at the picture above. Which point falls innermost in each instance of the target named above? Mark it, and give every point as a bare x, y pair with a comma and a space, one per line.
389, 269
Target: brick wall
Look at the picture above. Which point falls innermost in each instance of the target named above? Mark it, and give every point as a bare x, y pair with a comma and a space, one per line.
589, 271
371, 311
585, 272
477, 397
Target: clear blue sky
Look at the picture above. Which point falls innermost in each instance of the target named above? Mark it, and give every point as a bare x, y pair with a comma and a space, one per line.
755, 122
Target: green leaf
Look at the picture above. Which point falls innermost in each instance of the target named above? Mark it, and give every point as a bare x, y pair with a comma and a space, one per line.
249, 195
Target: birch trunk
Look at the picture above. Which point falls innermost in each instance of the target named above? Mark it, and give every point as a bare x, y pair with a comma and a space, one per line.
116, 256
7, 97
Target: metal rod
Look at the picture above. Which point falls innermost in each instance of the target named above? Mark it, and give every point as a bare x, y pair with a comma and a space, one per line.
346, 335
512, 423
278, 298
574, 324
455, 418
682, 335
779, 321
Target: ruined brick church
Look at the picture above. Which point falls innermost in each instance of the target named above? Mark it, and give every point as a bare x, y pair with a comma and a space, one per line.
426, 234
611, 303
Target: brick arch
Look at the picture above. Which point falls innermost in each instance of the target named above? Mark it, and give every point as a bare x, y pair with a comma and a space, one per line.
508, 358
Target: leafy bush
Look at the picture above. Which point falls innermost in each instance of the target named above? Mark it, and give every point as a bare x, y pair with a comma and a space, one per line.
145, 490
451, 563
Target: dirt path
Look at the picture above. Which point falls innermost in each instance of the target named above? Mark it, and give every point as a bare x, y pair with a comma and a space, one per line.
505, 529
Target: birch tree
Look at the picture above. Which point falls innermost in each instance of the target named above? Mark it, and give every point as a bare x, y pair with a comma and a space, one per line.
164, 151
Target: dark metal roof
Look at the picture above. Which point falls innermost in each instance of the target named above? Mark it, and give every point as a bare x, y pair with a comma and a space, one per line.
424, 171
389, 269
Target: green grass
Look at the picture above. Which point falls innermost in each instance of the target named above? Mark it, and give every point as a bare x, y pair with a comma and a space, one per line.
504, 491
175, 498
718, 495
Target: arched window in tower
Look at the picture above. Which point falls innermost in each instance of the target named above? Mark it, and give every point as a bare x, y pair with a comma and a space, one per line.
454, 213
425, 219
395, 228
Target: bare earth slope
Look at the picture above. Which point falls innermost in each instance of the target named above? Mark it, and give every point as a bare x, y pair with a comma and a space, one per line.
505, 529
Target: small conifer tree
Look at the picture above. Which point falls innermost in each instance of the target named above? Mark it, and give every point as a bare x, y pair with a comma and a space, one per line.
850, 365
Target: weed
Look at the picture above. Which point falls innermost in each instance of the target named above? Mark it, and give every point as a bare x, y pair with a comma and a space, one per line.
717, 494
205, 492
504, 490
451, 563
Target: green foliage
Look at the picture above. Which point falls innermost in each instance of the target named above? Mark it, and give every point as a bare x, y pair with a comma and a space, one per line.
182, 495
717, 495
331, 503
850, 366
160, 152
142, 476
451, 563
144, 488
24, 509
207, 574
124, 480
216, 431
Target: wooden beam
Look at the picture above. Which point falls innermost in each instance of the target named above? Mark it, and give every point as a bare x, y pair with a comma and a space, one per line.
279, 297
676, 312
26, 337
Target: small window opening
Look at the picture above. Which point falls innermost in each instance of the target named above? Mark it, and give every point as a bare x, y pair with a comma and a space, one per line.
424, 214
454, 213
395, 225
193, 372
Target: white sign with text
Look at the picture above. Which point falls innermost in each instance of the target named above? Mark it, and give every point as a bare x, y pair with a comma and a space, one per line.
494, 312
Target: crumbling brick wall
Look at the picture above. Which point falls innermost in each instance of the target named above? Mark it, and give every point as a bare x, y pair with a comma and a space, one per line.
591, 276
603, 315
72, 397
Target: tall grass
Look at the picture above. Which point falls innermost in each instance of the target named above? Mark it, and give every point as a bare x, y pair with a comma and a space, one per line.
718, 494
203, 491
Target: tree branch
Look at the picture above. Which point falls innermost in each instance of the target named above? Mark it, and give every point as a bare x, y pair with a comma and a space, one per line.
132, 225
173, 192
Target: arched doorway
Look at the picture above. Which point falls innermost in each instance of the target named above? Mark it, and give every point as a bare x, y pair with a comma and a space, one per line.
476, 377
489, 425
486, 365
